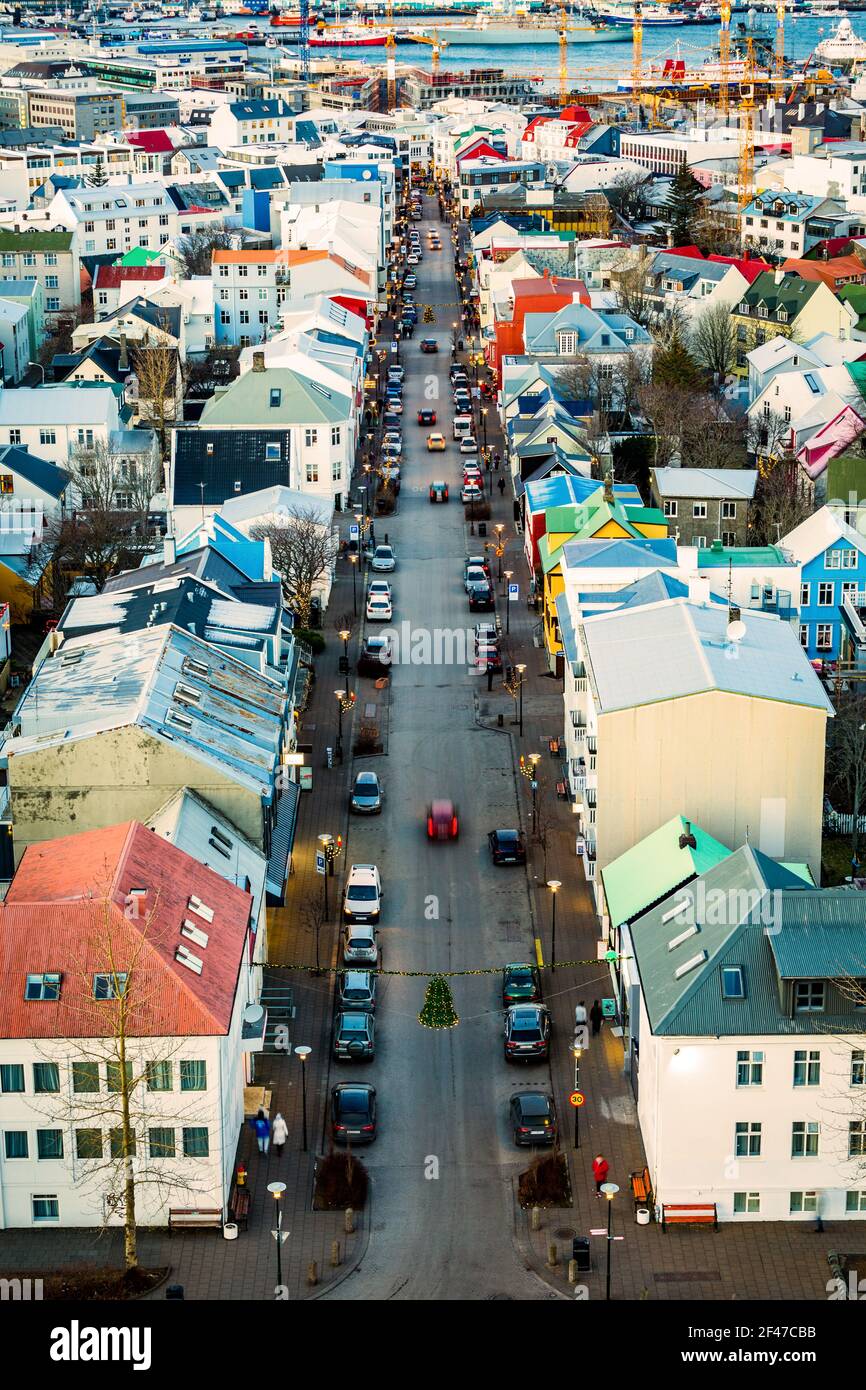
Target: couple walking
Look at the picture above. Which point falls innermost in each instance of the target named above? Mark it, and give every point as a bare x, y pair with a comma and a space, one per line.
265, 1132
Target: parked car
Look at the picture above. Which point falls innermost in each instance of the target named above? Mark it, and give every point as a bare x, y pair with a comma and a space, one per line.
474, 574
396, 372
429, 345
381, 587
488, 659
527, 1033
506, 846
353, 1113
533, 1118
471, 492
468, 445
442, 821
476, 562
435, 442
362, 900
393, 407
521, 984
366, 795
360, 944
410, 282
486, 633
412, 258
383, 559
481, 599
355, 1036
375, 657
357, 990
391, 416
379, 609
426, 416
439, 491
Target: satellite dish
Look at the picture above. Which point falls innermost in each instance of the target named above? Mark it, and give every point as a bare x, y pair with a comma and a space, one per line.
253, 1014
736, 630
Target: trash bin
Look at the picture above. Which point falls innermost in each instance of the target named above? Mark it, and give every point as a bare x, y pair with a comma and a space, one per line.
230, 1230
482, 528
174, 1291
642, 1216
580, 1253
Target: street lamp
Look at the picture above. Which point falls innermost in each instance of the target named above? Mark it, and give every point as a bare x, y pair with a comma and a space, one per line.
325, 843
484, 421
39, 367
610, 1189
554, 885
521, 670
346, 634
529, 769
353, 561
345, 701
276, 1190
576, 1052
500, 548
507, 576
302, 1053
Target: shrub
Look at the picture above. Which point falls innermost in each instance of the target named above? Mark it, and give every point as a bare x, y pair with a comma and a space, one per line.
341, 1181
479, 511
545, 1182
314, 640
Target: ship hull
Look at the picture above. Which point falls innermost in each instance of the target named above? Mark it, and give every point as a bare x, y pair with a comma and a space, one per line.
513, 35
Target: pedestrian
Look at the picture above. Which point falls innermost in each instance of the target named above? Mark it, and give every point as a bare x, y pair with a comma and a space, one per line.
595, 1017
279, 1133
501, 486
600, 1170
262, 1126
497, 460
580, 1014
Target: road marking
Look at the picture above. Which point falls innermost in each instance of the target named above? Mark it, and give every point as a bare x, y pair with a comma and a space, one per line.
539, 956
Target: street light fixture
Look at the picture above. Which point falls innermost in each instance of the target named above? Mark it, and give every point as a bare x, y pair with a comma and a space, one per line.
345, 634
353, 561
577, 1053
554, 885
302, 1053
500, 547
507, 576
345, 701
276, 1190
521, 671
484, 423
610, 1189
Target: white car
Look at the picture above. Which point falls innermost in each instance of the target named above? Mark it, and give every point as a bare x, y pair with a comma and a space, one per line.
412, 258
379, 588
379, 609
384, 559
468, 445
362, 900
396, 373
470, 492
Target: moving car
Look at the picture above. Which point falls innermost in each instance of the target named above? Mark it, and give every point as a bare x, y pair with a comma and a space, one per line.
357, 990
436, 442
410, 282
521, 984
429, 345
533, 1118
383, 559
439, 492
353, 1113
366, 795
355, 1036
379, 609
362, 900
527, 1033
426, 416
375, 657
442, 821
413, 257
506, 846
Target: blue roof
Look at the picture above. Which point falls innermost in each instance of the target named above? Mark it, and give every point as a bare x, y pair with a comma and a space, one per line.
625, 553
246, 555
560, 489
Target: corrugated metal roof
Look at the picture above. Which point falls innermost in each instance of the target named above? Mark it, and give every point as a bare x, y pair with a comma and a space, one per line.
821, 935
651, 869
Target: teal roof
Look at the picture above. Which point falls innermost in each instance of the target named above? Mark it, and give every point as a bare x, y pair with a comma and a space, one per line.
737, 555
654, 867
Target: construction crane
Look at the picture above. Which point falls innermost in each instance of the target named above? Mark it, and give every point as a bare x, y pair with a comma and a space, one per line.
746, 172
304, 38
436, 46
724, 56
780, 39
563, 56
390, 59
637, 52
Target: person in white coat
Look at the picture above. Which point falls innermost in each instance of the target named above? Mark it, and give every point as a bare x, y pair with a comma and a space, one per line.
279, 1133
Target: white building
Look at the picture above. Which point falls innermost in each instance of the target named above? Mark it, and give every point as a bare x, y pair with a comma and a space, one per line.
55, 421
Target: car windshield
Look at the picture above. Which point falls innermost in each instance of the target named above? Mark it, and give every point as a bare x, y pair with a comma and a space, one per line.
363, 892
354, 1023
366, 788
526, 1033
356, 993
535, 1107
354, 1106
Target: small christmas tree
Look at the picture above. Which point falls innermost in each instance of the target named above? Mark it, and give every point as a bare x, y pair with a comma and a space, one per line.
438, 1010
429, 314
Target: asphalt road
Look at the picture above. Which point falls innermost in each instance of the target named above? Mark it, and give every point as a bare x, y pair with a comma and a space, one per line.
443, 1163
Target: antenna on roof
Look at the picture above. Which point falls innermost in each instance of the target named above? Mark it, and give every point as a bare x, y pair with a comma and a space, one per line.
736, 629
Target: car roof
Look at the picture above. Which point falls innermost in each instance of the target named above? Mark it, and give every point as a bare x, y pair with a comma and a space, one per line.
442, 808
533, 1102
507, 834
367, 777
357, 979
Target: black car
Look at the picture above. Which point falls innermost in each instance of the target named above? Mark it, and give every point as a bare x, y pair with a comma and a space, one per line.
355, 1035
527, 1033
506, 846
533, 1118
480, 598
366, 797
357, 991
374, 658
353, 1113
521, 984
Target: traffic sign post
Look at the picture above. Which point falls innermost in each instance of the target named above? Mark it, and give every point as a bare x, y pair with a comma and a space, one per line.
321, 862
577, 1099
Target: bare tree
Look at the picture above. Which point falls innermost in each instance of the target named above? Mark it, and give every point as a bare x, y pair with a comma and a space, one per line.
196, 250
156, 373
847, 753
634, 296
108, 482
713, 341
628, 195
303, 550
781, 501
716, 233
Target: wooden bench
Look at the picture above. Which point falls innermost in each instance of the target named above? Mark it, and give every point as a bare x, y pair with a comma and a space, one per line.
193, 1218
239, 1206
689, 1214
562, 790
641, 1188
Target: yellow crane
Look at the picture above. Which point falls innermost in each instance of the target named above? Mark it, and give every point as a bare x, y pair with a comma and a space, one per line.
563, 56
780, 39
636, 51
436, 46
390, 59
724, 55
746, 173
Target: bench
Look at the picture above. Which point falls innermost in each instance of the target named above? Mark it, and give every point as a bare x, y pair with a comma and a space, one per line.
641, 1188
193, 1218
689, 1214
562, 790
239, 1206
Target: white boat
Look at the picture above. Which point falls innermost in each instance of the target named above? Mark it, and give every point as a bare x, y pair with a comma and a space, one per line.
842, 47
660, 16
827, 9
489, 30
675, 73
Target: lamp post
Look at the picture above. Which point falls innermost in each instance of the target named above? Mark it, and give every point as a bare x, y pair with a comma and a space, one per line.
507, 576
554, 885
345, 635
367, 470
529, 769
276, 1190
483, 420
610, 1189
345, 701
325, 843
39, 367
353, 561
303, 1053
576, 1052
520, 669
500, 548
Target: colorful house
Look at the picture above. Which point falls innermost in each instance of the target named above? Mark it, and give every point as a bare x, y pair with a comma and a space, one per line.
832, 561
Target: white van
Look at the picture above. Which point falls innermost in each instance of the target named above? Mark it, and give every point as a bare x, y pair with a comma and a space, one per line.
462, 426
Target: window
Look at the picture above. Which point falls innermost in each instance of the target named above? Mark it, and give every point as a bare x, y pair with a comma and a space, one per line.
844, 558
750, 1068
825, 595
263, 316
747, 1202
336, 435
195, 1142
15, 1143
733, 985
46, 1078
50, 258
858, 1068
14, 436
809, 996
824, 638
701, 542
728, 538
747, 1139
803, 1201
312, 472
565, 344
45, 1207
729, 511
159, 1076
807, 1068
243, 316
804, 634
52, 304
161, 1142
275, 397
225, 317
805, 590
115, 1143
88, 1143
51, 282
336, 471
699, 510
11, 1079
113, 1077
49, 1143
193, 1076
857, 1138
47, 436
85, 1077
670, 508
311, 438
109, 986
804, 1139
42, 987
855, 1201
243, 294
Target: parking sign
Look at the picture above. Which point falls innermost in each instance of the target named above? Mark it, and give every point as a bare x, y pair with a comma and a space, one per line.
513, 593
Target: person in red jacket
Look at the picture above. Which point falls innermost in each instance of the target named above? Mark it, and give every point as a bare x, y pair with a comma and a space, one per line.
600, 1170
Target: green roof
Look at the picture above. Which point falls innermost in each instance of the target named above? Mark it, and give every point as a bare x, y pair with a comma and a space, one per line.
846, 478
645, 515
35, 241
248, 402
790, 294
717, 557
139, 255
855, 295
655, 867
801, 870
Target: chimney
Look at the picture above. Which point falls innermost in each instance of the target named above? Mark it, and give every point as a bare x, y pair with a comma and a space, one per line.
169, 550
123, 359
778, 276
699, 588
258, 361
687, 839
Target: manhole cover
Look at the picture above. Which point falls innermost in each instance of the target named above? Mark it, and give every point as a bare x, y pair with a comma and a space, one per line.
564, 1233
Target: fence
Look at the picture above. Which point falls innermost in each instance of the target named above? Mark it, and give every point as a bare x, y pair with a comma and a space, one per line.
841, 824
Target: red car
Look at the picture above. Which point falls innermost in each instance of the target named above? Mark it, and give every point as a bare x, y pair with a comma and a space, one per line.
426, 417
442, 821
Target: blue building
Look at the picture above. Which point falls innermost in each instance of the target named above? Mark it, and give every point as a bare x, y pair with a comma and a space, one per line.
832, 562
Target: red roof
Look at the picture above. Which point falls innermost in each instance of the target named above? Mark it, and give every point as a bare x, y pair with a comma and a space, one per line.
151, 141
750, 267
480, 149
111, 277
694, 251
127, 890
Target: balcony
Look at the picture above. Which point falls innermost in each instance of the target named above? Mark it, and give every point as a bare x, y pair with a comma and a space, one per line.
776, 601
854, 617
592, 743
588, 858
